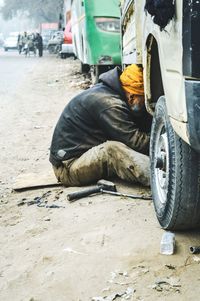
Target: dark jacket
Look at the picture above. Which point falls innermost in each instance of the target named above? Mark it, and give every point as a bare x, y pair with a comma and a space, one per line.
95, 116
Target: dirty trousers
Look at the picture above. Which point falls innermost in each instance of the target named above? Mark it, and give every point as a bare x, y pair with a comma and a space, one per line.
106, 160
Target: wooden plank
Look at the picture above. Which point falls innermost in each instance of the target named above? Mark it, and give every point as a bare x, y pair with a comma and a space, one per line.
35, 180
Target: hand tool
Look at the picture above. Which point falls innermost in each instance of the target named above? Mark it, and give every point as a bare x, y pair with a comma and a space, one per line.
195, 250
133, 196
103, 186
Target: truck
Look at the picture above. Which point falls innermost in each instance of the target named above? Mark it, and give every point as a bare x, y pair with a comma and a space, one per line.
165, 40
47, 30
96, 35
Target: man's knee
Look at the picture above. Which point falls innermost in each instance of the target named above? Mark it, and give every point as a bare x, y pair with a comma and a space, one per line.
113, 146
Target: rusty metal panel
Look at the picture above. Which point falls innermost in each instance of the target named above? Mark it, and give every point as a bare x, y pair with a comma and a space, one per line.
131, 22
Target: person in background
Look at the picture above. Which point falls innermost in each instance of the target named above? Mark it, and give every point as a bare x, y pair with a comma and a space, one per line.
19, 43
104, 132
39, 43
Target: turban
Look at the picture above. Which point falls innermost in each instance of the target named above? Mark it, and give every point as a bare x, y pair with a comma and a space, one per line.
132, 80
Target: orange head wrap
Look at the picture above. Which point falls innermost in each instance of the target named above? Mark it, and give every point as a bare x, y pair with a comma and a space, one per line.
132, 80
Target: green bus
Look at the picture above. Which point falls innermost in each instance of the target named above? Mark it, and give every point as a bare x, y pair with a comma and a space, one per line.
96, 35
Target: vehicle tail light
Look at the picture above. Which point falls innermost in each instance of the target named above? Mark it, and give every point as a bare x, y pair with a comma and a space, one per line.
108, 24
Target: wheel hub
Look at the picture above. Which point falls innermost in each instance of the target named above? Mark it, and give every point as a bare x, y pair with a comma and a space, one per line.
161, 161
161, 165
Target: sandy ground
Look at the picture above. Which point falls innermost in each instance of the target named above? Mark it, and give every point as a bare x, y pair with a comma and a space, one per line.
99, 248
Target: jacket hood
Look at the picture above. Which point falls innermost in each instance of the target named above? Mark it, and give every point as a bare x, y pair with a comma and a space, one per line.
111, 79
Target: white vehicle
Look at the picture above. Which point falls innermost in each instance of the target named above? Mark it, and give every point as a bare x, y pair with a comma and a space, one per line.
55, 42
1, 39
66, 50
170, 58
67, 46
10, 43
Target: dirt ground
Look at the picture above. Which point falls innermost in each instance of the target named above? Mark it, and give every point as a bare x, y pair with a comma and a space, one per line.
99, 248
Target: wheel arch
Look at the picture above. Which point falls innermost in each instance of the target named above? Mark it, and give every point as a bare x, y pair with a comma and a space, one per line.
153, 76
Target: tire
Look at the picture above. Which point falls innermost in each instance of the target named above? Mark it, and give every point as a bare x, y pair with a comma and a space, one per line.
62, 55
57, 49
85, 68
175, 175
51, 49
97, 70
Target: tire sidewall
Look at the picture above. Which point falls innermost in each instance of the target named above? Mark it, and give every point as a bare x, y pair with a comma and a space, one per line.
161, 119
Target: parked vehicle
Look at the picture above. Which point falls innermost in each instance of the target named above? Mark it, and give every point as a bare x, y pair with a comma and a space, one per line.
55, 42
1, 39
96, 34
46, 37
47, 30
67, 46
10, 42
170, 57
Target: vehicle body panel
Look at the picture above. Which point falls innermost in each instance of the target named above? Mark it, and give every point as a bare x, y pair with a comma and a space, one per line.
67, 46
10, 42
67, 49
178, 47
56, 38
68, 33
92, 45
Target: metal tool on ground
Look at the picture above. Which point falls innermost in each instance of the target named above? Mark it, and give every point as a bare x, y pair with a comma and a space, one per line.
195, 250
133, 196
103, 186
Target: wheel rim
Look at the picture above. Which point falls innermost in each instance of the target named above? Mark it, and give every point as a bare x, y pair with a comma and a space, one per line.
161, 167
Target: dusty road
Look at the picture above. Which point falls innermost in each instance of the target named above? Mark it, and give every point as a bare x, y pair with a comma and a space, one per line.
98, 248
14, 68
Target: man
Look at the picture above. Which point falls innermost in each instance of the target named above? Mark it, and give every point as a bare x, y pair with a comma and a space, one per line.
104, 132
39, 44
19, 43
24, 40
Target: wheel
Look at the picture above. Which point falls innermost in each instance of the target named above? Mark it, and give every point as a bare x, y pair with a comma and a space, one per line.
85, 68
56, 49
5, 49
51, 49
97, 70
175, 175
62, 55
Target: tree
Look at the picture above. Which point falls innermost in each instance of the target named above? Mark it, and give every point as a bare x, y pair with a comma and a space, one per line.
38, 10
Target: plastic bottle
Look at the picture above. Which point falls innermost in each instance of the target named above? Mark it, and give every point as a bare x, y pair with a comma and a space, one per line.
167, 244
